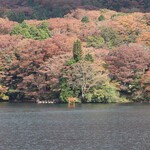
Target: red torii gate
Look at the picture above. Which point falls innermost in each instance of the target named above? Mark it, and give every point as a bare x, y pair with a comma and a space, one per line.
71, 102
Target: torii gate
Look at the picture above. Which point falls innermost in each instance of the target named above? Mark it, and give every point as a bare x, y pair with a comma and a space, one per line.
71, 102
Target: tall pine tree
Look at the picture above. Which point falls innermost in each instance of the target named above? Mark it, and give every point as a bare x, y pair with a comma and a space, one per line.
77, 50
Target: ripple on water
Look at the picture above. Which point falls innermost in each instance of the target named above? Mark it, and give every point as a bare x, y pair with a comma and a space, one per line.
87, 127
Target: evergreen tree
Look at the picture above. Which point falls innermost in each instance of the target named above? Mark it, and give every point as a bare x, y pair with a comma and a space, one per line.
85, 19
77, 50
101, 18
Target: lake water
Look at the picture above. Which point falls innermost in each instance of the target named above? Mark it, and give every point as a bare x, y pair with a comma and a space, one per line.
86, 127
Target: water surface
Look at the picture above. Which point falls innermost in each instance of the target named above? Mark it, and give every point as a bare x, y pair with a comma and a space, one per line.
87, 127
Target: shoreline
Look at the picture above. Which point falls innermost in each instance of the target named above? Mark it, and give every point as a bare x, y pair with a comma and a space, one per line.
27, 102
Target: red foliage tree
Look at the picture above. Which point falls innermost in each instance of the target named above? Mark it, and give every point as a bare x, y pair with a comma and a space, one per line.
6, 26
127, 64
31, 66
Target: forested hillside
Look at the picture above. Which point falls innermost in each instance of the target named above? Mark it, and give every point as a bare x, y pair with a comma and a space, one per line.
18, 10
96, 55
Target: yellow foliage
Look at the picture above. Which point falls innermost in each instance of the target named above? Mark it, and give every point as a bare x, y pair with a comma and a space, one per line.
144, 38
4, 97
129, 24
3, 90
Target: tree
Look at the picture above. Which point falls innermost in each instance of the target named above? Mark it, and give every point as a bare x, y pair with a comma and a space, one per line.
129, 27
18, 17
39, 32
85, 19
6, 26
127, 65
106, 93
101, 18
66, 90
145, 83
95, 41
3, 91
77, 50
110, 36
30, 68
144, 38
84, 75
89, 57
44, 9
89, 81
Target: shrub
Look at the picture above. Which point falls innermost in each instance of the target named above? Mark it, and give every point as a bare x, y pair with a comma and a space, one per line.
101, 18
85, 19
70, 62
117, 15
103, 11
95, 41
3, 91
88, 57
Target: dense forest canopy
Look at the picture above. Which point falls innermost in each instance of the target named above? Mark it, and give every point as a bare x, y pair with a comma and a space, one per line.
89, 51
19, 10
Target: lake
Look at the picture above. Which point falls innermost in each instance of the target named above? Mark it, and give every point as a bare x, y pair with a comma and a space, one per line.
86, 127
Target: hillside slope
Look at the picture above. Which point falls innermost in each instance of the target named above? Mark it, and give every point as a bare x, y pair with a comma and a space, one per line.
18, 10
115, 47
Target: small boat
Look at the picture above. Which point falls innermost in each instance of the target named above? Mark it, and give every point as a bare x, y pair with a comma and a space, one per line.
44, 102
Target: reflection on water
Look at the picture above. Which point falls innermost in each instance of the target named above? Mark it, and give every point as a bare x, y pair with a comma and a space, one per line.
86, 127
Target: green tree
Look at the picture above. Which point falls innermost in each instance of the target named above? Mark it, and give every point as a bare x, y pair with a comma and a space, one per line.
95, 41
111, 37
77, 50
39, 32
18, 17
83, 76
101, 18
89, 81
85, 19
106, 93
88, 57
3, 91
70, 62
65, 91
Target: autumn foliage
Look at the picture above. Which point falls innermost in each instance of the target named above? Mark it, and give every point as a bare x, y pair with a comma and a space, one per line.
115, 48
128, 65
43, 9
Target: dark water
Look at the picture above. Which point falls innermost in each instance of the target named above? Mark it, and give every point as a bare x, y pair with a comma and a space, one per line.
87, 127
